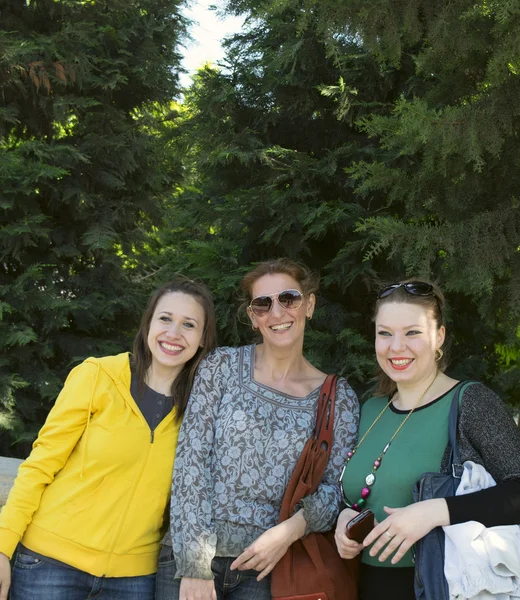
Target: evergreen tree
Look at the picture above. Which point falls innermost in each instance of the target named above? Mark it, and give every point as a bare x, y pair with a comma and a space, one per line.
85, 92
373, 141
265, 155
447, 163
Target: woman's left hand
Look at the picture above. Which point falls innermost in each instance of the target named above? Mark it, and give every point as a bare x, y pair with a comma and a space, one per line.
404, 526
268, 549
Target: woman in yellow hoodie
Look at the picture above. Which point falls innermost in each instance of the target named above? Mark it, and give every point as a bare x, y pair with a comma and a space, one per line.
87, 511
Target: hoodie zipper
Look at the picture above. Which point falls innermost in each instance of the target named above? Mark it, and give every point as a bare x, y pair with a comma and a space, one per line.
131, 497
124, 390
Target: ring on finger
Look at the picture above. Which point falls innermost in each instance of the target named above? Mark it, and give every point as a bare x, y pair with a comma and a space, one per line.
388, 534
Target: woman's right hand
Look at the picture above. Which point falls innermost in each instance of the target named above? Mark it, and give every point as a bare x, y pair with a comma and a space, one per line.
193, 589
5, 576
347, 548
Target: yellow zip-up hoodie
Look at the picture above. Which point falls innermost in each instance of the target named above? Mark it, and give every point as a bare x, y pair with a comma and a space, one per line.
94, 491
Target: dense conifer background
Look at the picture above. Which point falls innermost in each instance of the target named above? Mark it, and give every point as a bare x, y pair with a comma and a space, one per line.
370, 140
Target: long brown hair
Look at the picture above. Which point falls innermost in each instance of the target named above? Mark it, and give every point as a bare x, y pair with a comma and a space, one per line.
434, 302
142, 357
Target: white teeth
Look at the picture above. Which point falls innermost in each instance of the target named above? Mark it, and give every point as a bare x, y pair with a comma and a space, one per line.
281, 327
402, 362
171, 347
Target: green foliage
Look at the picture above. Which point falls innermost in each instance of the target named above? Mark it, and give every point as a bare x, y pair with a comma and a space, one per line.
266, 141
373, 141
448, 161
85, 90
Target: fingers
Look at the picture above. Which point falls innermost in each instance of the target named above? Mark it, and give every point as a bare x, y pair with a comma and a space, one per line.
396, 545
386, 537
394, 536
345, 516
262, 562
250, 559
267, 565
266, 571
380, 527
4, 590
375, 533
349, 553
5, 584
246, 555
347, 548
5, 576
392, 545
256, 564
403, 549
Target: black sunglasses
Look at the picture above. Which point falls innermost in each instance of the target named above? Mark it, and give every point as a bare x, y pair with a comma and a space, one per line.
416, 288
288, 299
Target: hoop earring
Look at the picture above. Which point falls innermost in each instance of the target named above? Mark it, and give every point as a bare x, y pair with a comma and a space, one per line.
439, 353
254, 328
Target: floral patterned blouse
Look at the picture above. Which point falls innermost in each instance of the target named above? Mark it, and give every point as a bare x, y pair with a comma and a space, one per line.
239, 443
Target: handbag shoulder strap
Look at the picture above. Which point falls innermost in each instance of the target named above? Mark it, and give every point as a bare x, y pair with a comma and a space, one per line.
454, 461
308, 471
324, 428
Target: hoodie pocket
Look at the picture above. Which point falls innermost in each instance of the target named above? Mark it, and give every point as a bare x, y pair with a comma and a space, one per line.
94, 517
147, 519
86, 498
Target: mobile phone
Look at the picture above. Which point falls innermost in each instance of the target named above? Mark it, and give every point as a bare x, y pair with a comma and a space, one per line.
360, 526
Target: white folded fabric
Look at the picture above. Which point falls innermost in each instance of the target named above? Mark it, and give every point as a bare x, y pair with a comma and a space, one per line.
481, 563
474, 478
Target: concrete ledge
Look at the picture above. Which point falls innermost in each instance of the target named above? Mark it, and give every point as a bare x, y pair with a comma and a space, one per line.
8, 471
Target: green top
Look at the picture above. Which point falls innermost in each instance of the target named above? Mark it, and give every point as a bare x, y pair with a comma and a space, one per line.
417, 448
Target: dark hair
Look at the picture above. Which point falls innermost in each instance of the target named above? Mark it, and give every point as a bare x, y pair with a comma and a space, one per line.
142, 357
434, 302
308, 280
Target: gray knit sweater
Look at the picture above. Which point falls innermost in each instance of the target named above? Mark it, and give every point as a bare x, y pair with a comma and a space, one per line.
487, 435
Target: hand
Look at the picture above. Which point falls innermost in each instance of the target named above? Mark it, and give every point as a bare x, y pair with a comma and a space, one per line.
404, 526
195, 589
5, 576
347, 548
268, 549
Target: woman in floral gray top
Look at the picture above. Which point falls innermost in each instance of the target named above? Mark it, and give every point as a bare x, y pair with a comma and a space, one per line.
250, 413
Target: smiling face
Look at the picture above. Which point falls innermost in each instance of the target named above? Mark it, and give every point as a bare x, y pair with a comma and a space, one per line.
175, 332
281, 326
407, 336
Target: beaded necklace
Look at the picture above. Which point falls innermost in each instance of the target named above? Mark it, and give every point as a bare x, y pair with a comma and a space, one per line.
371, 477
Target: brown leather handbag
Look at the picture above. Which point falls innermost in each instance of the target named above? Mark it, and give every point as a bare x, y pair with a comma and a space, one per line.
312, 569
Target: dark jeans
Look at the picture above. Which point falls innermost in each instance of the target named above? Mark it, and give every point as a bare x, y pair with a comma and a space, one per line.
232, 585
35, 579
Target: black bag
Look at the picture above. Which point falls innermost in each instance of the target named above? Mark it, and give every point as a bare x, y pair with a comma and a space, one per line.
430, 582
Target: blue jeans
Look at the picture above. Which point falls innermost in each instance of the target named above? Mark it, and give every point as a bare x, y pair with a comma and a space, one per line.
232, 585
35, 579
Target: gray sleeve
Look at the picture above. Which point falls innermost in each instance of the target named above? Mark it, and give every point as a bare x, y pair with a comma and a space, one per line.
321, 508
487, 428
193, 539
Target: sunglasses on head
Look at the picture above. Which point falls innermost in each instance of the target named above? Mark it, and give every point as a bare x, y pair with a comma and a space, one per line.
288, 299
416, 288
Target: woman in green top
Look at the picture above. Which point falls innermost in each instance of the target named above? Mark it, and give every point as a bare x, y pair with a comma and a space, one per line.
403, 433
